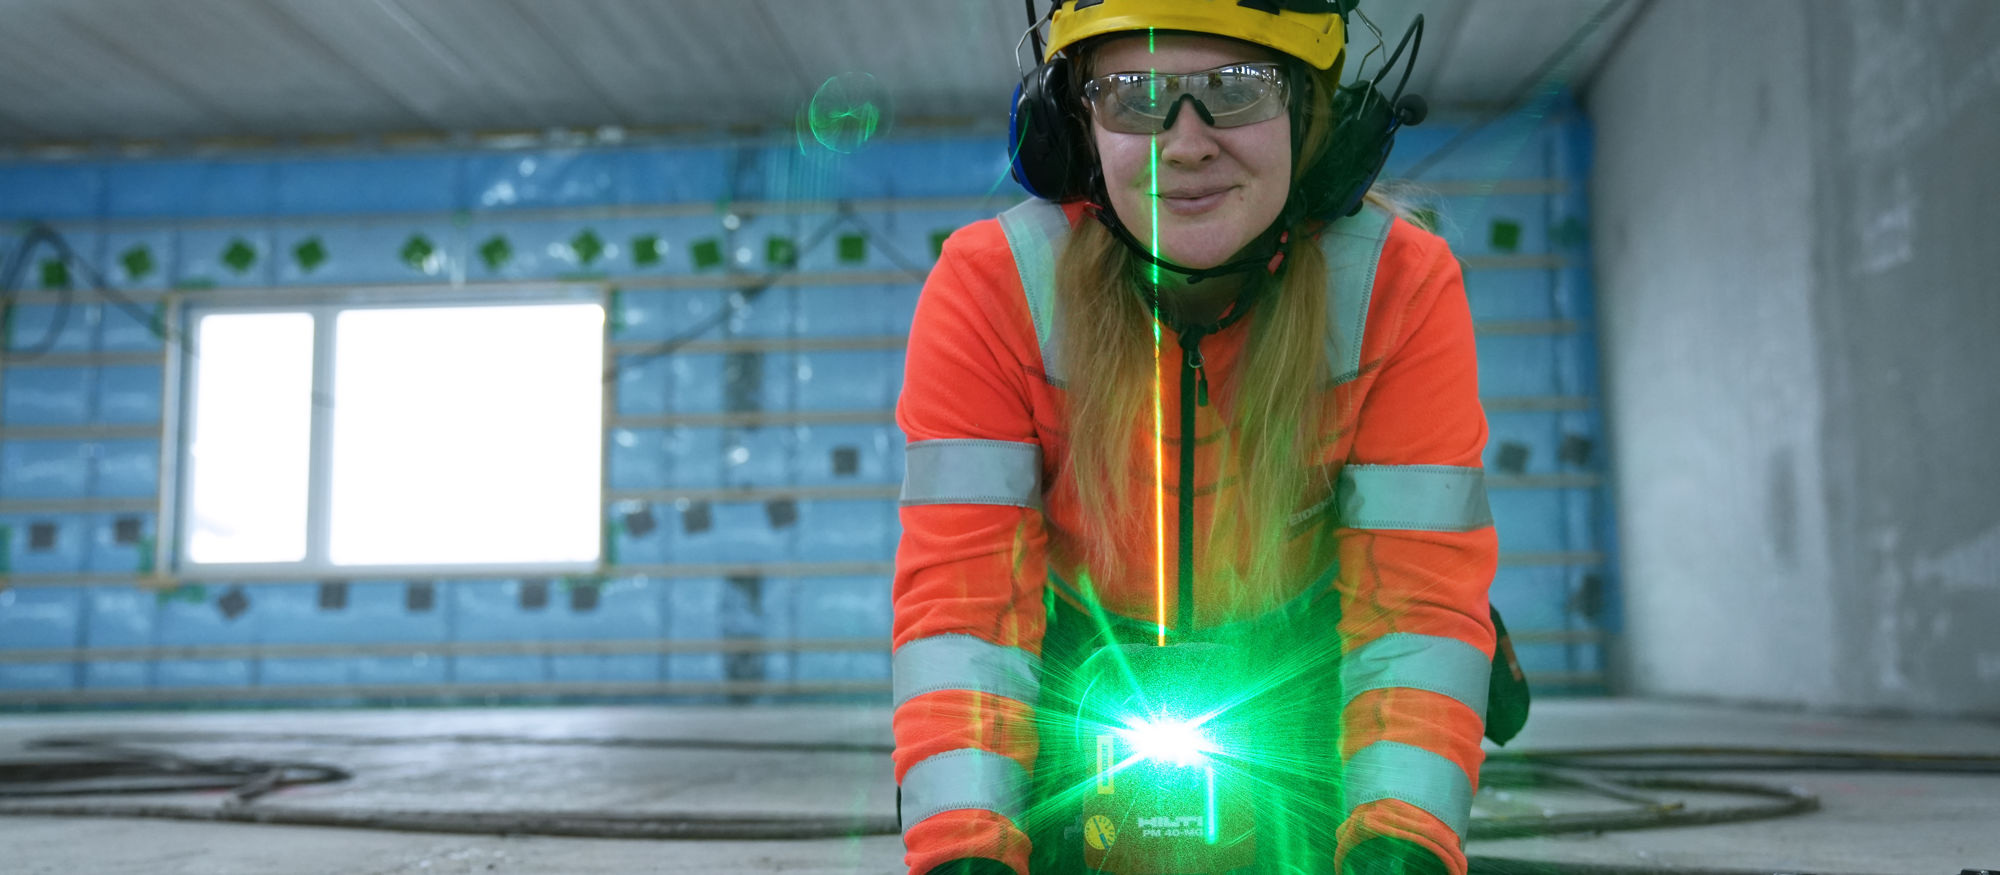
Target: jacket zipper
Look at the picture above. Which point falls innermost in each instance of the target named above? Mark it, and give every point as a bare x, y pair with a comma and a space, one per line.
1194, 392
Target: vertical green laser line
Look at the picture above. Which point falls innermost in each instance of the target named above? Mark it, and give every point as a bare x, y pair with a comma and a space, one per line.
1159, 382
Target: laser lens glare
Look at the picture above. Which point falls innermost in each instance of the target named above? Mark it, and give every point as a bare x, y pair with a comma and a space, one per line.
1178, 742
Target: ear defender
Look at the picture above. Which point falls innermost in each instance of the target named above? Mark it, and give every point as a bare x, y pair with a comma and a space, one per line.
1051, 160
1357, 149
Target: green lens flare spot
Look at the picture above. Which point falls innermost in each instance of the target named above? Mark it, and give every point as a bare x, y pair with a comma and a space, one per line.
847, 111
138, 262
587, 246
853, 248
1506, 235
309, 255
496, 252
647, 250
55, 273
240, 256
707, 253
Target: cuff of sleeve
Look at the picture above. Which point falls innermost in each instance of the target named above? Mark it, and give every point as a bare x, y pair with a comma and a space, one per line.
1392, 856
972, 866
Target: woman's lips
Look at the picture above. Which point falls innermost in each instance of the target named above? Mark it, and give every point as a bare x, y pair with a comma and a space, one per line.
1193, 206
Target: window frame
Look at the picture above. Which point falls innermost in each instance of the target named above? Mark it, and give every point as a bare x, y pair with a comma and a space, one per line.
184, 315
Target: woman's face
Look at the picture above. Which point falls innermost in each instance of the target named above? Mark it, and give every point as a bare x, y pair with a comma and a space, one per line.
1216, 188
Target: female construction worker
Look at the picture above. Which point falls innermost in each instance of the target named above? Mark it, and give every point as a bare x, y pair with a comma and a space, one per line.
1197, 392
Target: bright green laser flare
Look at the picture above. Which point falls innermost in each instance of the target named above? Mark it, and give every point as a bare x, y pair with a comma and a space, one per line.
847, 112
1180, 742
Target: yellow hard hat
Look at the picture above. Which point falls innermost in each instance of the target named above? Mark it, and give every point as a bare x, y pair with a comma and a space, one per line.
1309, 30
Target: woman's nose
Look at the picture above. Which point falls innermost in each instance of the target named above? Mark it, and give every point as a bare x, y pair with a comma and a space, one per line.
1190, 139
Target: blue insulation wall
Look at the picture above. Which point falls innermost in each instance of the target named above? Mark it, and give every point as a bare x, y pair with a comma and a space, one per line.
90, 611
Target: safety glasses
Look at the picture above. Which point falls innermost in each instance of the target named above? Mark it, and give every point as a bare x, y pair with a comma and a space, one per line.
1225, 97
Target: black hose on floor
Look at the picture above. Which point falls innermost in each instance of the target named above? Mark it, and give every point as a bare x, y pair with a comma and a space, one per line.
109, 763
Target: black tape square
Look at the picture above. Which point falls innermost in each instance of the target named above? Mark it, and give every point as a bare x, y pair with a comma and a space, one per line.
846, 461
782, 512
534, 595
698, 518
333, 595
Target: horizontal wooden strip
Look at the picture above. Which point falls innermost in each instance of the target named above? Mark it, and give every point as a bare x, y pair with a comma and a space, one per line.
392, 650
747, 569
759, 419
1545, 679
745, 209
763, 344
80, 432
756, 279
85, 359
1487, 187
1556, 636
1583, 558
406, 691
883, 492
1525, 327
1538, 403
1515, 262
1543, 481
79, 505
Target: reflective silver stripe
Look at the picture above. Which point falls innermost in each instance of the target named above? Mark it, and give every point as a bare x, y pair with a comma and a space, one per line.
972, 472
1427, 498
1353, 248
960, 779
1036, 231
1393, 770
964, 662
1446, 666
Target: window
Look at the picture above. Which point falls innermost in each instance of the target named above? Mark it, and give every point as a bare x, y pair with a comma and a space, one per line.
348, 438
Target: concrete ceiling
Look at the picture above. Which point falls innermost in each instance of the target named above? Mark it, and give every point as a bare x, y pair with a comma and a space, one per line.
108, 72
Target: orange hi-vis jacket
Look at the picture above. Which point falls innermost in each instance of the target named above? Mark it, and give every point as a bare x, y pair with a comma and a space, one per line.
988, 521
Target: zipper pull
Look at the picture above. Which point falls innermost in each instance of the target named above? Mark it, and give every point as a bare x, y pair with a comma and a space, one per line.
1196, 362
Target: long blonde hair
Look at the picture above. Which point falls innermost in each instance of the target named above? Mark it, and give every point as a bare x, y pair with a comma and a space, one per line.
1273, 408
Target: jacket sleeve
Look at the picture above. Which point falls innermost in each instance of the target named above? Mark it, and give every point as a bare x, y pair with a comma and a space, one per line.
970, 566
1417, 555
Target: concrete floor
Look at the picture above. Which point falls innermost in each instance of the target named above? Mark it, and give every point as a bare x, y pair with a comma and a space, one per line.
505, 760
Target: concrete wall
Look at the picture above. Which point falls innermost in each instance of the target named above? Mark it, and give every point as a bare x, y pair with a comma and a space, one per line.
1795, 208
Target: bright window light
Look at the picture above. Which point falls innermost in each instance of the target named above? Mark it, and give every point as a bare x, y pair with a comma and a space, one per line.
249, 454
467, 435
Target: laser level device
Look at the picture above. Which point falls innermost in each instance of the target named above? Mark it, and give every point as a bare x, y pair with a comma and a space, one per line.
1168, 792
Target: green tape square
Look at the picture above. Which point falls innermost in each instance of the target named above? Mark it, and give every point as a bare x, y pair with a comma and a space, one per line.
937, 242
780, 251
55, 273
646, 250
707, 253
1506, 235
853, 248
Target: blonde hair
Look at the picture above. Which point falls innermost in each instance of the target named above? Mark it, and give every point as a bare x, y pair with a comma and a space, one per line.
1274, 408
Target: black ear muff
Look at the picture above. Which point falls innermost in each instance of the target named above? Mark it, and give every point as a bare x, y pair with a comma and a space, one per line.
1051, 160
1363, 135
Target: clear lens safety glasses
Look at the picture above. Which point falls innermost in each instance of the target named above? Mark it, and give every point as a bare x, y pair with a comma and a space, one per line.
1225, 97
